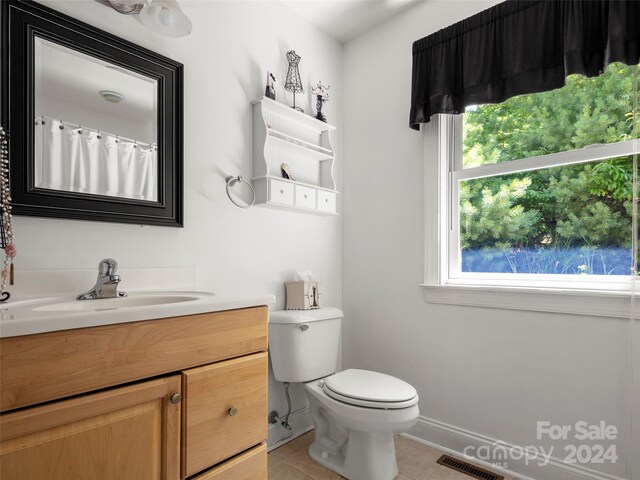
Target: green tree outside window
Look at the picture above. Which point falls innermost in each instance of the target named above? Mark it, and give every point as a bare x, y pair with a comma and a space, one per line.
553, 211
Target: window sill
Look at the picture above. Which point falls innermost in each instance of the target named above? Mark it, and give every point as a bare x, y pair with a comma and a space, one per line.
599, 303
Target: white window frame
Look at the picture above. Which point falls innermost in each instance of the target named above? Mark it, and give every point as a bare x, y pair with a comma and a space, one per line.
445, 283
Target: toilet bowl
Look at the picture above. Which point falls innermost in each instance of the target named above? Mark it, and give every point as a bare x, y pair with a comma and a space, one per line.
356, 440
356, 413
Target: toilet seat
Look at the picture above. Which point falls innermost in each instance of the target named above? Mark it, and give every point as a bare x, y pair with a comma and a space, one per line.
370, 389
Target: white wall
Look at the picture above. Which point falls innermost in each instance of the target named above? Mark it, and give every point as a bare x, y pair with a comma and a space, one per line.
479, 372
232, 46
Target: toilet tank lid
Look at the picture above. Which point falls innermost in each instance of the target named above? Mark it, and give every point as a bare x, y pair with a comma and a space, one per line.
304, 316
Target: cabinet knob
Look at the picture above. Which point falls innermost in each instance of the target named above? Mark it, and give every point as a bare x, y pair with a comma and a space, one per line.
281, 190
176, 398
326, 200
233, 411
305, 195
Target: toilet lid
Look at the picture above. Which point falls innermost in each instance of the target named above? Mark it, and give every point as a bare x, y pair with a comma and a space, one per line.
370, 389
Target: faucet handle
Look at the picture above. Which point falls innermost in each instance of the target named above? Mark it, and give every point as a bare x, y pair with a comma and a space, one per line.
107, 267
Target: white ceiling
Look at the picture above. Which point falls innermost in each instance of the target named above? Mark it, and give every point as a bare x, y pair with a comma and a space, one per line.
346, 19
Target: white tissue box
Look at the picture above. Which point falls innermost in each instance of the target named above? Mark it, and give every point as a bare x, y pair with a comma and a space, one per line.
303, 295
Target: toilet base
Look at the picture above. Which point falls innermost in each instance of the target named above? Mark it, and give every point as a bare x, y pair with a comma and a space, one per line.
356, 442
368, 456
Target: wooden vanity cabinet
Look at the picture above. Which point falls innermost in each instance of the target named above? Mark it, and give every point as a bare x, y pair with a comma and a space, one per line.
161, 399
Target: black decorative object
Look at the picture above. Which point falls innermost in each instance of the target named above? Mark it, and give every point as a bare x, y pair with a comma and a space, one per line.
286, 172
21, 22
519, 47
322, 96
270, 90
294, 82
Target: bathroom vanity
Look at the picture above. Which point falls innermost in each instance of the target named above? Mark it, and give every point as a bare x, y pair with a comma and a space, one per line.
166, 398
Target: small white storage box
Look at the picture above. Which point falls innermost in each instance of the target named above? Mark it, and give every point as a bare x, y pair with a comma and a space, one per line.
305, 196
303, 295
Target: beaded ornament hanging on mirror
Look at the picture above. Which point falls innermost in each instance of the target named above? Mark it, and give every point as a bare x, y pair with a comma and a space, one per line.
6, 227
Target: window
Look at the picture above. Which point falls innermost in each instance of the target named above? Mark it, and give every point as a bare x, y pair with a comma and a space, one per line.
538, 190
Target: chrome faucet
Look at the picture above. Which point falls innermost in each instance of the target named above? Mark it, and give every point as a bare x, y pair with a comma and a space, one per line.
107, 283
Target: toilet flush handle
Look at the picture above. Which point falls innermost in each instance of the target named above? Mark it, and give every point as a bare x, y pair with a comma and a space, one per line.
304, 327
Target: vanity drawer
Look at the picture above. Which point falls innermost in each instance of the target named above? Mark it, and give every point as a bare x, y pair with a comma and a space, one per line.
250, 465
224, 411
305, 197
326, 201
44, 367
280, 192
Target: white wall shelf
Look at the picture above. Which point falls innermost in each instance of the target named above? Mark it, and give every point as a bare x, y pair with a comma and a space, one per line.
283, 135
299, 148
301, 143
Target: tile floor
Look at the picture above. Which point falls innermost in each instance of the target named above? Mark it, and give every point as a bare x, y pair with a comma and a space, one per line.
415, 462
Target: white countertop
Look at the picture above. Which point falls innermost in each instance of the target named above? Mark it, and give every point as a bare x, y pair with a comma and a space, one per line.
31, 315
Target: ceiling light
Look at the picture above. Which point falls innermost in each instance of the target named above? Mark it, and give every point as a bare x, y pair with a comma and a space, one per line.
162, 16
166, 18
126, 7
111, 96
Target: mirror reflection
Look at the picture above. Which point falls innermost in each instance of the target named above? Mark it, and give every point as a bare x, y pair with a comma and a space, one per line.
95, 126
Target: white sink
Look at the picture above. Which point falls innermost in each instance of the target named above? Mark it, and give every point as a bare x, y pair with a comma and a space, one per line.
139, 300
46, 314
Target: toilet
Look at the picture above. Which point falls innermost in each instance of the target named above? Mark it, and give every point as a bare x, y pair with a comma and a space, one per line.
356, 413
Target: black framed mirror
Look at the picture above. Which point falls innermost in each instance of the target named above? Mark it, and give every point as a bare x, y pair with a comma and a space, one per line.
95, 121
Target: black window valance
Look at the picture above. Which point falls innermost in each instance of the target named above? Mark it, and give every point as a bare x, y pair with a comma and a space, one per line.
518, 47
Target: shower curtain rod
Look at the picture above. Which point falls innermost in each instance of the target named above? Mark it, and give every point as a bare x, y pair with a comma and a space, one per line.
130, 140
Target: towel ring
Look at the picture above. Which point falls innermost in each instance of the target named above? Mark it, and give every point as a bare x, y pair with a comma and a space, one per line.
231, 181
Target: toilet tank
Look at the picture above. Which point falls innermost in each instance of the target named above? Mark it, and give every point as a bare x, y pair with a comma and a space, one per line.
303, 344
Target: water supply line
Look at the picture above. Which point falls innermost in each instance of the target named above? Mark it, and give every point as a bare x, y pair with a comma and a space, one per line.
273, 416
285, 422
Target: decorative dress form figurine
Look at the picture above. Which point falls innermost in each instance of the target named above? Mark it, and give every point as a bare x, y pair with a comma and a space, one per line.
293, 82
320, 91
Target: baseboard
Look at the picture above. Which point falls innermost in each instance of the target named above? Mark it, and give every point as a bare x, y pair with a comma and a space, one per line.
455, 440
300, 422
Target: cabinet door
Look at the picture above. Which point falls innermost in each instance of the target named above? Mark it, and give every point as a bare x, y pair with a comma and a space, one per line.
130, 432
251, 465
224, 410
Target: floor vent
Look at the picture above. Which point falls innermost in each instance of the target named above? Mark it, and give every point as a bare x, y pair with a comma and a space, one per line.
468, 469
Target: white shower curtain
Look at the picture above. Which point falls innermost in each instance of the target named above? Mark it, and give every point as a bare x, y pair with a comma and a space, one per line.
83, 160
